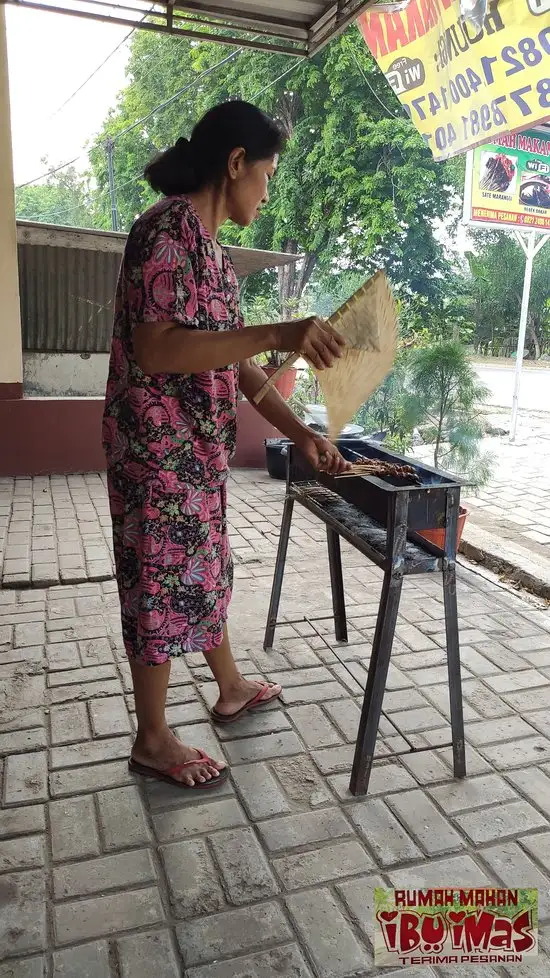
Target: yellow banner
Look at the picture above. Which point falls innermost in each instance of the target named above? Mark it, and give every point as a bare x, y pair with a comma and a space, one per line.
463, 88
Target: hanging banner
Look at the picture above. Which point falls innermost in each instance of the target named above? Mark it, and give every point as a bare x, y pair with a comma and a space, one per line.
508, 182
462, 86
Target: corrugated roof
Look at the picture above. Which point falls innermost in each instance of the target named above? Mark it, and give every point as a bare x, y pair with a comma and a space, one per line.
67, 283
246, 260
299, 27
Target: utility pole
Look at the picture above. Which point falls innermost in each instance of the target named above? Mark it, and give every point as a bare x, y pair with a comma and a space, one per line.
109, 149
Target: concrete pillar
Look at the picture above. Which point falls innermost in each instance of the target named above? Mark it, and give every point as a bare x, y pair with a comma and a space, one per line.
11, 366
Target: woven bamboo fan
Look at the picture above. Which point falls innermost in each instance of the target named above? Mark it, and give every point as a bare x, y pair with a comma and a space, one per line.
368, 322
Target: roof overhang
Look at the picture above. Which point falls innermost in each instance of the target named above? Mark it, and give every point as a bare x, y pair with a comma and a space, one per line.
246, 261
294, 27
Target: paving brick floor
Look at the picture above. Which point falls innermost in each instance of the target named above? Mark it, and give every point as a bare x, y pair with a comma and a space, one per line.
105, 876
57, 529
515, 505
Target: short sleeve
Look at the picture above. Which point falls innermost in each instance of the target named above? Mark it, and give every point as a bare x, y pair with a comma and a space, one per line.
162, 287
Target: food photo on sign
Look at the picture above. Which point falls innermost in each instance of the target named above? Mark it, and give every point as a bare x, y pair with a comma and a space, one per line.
466, 71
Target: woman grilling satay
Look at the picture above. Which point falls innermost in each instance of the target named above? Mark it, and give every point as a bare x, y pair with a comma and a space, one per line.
179, 356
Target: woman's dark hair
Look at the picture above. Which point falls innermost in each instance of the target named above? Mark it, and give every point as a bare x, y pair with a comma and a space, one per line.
192, 164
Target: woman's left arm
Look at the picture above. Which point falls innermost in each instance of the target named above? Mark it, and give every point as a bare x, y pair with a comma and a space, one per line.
322, 454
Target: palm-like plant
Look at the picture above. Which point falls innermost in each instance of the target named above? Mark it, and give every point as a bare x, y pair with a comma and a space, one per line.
389, 409
446, 396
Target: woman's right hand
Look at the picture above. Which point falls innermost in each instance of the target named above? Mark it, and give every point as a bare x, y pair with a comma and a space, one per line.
313, 338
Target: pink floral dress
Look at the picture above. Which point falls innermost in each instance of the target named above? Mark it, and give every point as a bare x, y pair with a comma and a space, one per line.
168, 439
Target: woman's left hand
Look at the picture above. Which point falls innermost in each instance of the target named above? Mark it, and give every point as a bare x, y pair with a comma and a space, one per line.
323, 455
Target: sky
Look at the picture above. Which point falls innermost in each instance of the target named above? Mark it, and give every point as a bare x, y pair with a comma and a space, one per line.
50, 55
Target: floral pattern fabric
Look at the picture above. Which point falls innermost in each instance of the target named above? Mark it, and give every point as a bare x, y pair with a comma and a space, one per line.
168, 440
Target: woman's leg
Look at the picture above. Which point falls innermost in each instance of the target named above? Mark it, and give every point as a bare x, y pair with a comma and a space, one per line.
155, 744
235, 690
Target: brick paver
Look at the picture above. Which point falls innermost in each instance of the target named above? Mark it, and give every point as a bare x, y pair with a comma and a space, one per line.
57, 529
515, 504
105, 876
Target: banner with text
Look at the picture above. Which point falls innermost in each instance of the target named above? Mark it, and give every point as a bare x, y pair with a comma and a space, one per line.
508, 182
451, 927
462, 88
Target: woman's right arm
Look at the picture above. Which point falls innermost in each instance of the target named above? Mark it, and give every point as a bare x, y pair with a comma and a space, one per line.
168, 347
164, 307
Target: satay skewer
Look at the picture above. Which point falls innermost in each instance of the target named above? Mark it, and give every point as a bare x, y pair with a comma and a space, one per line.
380, 468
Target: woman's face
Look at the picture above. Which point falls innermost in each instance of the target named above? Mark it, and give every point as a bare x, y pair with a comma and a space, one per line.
247, 187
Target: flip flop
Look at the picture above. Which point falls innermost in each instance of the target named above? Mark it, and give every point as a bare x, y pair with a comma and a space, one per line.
169, 774
258, 700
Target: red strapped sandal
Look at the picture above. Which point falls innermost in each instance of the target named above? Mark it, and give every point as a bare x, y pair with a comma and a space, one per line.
264, 695
170, 775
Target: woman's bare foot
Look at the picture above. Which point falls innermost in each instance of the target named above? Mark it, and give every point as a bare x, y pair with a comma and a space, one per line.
238, 695
164, 752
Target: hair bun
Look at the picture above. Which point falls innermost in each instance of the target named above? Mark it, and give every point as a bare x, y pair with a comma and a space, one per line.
183, 146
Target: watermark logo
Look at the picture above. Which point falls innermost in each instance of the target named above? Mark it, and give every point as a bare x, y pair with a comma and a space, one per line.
455, 926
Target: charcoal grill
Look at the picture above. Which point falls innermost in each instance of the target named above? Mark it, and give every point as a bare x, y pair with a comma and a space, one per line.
381, 518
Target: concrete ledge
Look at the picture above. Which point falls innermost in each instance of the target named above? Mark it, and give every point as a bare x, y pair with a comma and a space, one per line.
252, 430
62, 436
504, 557
49, 435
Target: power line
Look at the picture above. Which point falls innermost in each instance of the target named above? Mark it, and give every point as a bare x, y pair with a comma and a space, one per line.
176, 95
98, 196
103, 63
367, 82
139, 122
275, 80
105, 193
49, 173
93, 74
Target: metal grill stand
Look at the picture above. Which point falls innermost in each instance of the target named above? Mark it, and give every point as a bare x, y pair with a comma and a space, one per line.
407, 509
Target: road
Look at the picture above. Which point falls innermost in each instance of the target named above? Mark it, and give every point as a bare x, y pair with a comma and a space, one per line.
534, 393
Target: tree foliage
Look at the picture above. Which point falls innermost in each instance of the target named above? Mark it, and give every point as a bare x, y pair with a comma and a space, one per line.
496, 287
356, 188
62, 199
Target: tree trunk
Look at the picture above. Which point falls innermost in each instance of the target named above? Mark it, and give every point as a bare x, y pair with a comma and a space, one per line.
293, 279
531, 335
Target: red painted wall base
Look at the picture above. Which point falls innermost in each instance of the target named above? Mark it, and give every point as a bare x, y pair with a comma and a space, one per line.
61, 436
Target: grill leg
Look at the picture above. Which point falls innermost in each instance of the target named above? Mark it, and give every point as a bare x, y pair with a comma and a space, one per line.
279, 571
376, 683
451, 628
337, 585
453, 663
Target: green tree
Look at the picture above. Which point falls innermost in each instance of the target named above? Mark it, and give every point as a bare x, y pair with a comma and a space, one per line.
356, 188
389, 408
496, 286
62, 199
447, 315
445, 398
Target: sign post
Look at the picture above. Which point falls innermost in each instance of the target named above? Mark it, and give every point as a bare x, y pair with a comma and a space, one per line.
530, 247
507, 188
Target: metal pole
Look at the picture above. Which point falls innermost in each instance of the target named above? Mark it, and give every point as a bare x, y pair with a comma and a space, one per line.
109, 148
530, 248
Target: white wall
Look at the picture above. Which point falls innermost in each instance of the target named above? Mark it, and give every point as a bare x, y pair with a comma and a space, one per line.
65, 374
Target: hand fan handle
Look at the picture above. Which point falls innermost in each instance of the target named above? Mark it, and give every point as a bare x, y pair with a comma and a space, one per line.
259, 396
286, 364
